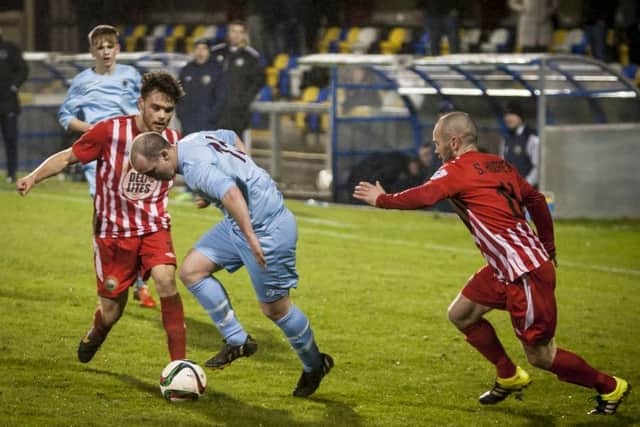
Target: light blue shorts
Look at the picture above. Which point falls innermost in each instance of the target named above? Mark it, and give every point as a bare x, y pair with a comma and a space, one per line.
227, 247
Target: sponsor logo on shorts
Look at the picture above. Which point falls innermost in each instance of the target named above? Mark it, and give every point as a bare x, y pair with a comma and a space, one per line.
111, 284
170, 254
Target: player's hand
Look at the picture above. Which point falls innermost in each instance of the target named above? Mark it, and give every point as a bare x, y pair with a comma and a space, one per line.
201, 203
23, 185
552, 255
256, 249
368, 192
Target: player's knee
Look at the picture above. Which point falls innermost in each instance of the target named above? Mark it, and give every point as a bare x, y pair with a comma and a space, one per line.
276, 310
166, 286
455, 317
540, 358
189, 276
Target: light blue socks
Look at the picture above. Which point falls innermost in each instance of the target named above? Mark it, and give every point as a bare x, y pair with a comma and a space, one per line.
212, 297
295, 326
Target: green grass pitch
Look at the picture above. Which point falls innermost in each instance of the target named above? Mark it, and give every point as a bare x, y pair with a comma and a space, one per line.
375, 285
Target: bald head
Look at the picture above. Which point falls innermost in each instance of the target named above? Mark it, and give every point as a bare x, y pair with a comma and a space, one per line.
461, 125
154, 156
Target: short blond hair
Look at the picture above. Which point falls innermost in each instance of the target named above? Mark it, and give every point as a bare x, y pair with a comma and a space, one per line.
103, 31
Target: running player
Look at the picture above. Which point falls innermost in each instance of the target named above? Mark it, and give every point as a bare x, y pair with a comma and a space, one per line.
490, 196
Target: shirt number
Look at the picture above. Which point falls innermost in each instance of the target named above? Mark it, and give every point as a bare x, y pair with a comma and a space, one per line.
222, 147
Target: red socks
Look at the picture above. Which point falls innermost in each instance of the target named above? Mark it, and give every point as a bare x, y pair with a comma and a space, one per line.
572, 368
482, 336
173, 322
567, 366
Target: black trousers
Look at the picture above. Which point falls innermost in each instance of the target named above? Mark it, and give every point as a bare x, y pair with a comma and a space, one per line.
9, 125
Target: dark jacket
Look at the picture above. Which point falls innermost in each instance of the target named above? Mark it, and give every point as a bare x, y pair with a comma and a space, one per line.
199, 109
242, 78
13, 72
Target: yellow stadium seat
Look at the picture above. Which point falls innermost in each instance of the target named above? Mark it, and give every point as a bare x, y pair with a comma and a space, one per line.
273, 73
352, 37
309, 94
394, 41
138, 32
197, 33
179, 31
332, 33
559, 41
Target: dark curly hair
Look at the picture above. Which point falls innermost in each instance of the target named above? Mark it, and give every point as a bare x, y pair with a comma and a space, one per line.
162, 82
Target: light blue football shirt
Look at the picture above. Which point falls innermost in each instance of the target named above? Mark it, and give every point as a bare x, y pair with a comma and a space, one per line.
94, 97
211, 165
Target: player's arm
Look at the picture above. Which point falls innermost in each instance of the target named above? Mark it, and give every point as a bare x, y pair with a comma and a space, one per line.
85, 149
50, 167
539, 211
234, 203
70, 109
422, 196
77, 125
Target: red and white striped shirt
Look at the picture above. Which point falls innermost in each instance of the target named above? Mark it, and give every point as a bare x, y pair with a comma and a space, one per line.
489, 195
126, 203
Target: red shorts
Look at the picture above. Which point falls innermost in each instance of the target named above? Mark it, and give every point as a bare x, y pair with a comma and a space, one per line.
530, 300
119, 260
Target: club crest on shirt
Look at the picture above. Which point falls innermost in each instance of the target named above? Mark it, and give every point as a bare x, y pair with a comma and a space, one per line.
136, 186
206, 79
125, 83
439, 174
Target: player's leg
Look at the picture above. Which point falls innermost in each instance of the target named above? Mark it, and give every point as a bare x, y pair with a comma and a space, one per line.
297, 328
482, 293
272, 287
107, 313
542, 352
9, 126
158, 259
211, 253
115, 264
141, 293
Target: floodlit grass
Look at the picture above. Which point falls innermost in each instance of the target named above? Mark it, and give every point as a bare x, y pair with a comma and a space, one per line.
376, 286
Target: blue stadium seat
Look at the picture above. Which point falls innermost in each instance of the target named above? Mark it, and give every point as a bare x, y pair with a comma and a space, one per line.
284, 81
313, 119
422, 46
259, 120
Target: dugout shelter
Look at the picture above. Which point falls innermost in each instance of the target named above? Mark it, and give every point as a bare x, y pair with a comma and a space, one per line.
586, 113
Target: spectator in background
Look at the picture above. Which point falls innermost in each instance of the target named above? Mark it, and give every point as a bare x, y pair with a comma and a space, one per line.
428, 163
106, 90
13, 72
597, 17
521, 147
198, 109
442, 19
535, 27
241, 79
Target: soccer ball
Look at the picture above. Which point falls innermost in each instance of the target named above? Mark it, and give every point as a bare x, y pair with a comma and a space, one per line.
182, 380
